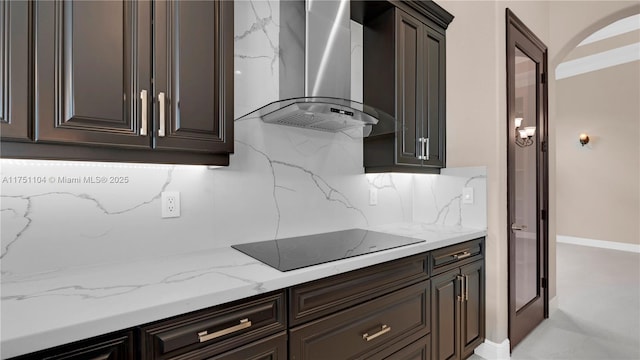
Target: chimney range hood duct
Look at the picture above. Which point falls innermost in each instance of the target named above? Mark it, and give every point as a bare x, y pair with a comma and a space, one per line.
315, 70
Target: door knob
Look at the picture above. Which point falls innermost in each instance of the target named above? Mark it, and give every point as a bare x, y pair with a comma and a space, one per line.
516, 227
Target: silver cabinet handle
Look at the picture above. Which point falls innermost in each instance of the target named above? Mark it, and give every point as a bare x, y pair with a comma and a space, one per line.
205, 336
461, 280
425, 152
420, 149
516, 227
466, 287
462, 255
161, 104
143, 112
385, 329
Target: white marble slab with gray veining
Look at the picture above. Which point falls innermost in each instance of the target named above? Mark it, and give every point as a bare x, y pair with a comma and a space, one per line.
53, 308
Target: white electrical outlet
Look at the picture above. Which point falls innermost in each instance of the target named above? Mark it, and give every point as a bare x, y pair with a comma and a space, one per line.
467, 195
170, 204
373, 196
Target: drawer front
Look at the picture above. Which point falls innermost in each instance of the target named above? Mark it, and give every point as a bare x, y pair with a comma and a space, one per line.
418, 350
110, 347
414, 347
456, 255
361, 331
322, 297
213, 331
271, 348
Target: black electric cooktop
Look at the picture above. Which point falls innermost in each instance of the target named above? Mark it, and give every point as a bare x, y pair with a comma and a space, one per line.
302, 251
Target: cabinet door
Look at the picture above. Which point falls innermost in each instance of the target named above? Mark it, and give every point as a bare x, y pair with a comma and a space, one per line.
445, 315
14, 69
194, 75
434, 102
92, 60
472, 309
409, 58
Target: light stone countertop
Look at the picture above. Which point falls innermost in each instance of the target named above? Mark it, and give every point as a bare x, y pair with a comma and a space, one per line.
49, 309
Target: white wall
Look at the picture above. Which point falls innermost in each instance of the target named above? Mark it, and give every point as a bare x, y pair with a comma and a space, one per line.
476, 110
476, 122
604, 205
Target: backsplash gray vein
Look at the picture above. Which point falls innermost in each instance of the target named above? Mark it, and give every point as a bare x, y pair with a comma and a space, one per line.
281, 182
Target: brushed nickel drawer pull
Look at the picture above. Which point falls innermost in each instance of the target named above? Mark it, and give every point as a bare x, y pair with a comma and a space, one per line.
462, 255
385, 329
466, 288
161, 104
143, 112
205, 336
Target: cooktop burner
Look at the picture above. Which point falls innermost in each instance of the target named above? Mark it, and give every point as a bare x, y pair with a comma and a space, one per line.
302, 251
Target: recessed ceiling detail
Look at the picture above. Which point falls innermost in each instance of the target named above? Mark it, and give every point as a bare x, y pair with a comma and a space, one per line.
619, 27
603, 60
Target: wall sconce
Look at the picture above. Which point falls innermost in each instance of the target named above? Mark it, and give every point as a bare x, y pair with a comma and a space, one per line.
524, 137
584, 139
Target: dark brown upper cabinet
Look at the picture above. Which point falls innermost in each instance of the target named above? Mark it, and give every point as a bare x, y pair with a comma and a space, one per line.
130, 81
194, 84
405, 50
14, 70
92, 60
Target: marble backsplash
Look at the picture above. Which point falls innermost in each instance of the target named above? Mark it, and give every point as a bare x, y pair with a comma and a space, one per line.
282, 181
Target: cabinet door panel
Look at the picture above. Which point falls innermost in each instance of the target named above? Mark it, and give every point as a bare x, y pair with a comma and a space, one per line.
434, 97
445, 314
194, 71
14, 69
89, 71
408, 103
472, 309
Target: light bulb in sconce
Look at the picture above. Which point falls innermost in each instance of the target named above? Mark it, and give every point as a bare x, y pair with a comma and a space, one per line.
530, 131
584, 139
522, 133
519, 122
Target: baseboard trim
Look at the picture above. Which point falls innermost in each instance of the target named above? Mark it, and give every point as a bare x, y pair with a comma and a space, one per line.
598, 243
494, 351
553, 305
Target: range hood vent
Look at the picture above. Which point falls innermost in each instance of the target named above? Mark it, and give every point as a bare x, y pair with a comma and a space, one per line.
315, 71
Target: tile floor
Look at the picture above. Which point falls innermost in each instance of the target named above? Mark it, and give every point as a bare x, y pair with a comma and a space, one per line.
598, 314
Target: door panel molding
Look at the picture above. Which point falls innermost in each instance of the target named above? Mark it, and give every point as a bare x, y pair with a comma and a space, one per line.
4, 61
73, 40
199, 101
15, 69
66, 114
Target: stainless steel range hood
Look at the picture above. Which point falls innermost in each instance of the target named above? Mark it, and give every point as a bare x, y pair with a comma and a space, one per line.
315, 70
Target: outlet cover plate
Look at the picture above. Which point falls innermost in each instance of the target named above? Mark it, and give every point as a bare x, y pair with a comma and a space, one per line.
467, 195
170, 204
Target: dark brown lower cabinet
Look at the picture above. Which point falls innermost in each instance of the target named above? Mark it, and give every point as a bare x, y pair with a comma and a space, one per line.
472, 315
458, 311
419, 350
361, 331
119, 346
220, 332
422, 307
271, 348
